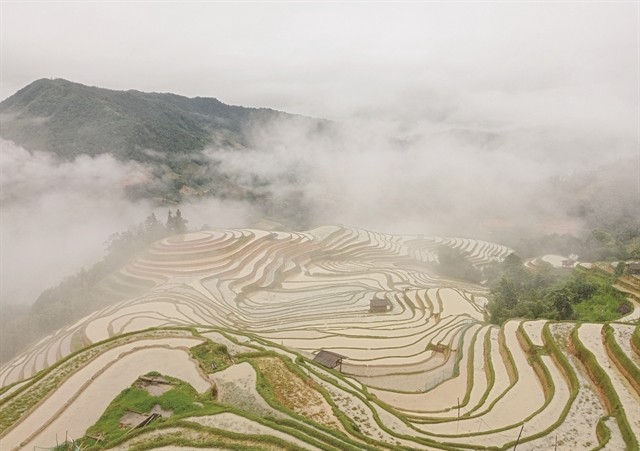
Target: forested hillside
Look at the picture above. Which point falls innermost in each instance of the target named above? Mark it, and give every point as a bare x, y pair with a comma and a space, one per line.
174, 138
70, 119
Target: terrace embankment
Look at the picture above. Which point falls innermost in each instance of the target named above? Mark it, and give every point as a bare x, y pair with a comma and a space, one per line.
244, 312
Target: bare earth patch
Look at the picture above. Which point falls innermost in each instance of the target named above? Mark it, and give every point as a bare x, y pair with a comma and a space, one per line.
294, 393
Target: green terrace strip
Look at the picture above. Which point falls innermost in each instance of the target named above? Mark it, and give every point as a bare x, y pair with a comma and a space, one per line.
545, 377
548, 385
533, 358
470, 372
566, 369
37, 388
368, 400
193, 435
333, 437
603, 433
628, 369
491, 380
601, 379
489, 371
635, 340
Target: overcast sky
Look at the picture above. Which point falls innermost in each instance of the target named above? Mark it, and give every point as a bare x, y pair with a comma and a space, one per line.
578, 60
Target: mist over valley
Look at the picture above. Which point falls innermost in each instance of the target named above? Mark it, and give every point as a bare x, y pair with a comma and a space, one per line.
233, 166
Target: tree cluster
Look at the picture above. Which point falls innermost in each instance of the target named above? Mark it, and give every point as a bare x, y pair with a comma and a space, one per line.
553, 293
453, 263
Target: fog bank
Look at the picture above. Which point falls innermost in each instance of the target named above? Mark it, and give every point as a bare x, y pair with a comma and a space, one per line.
56, 216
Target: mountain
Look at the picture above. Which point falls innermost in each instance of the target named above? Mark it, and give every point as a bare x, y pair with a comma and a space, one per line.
166, 132
70, 119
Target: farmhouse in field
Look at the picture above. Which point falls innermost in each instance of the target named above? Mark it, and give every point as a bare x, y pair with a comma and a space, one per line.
379, 305
329, 359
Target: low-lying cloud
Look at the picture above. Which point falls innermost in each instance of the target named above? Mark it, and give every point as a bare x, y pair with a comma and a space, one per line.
431, 177
56, 216
420, 176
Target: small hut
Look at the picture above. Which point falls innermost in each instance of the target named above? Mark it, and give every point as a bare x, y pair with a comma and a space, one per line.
379, 305
329, 359
633, 268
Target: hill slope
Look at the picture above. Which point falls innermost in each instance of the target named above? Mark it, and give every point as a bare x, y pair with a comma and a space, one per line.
167, 133
70, 119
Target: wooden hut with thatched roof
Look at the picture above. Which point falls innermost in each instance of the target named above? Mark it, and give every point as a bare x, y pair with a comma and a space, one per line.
379, 304
329, 359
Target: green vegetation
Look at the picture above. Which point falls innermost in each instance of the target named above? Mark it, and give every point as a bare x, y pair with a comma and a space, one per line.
601, 379
453, 263
617, 239
602, 433
287, 386
180, 400
626, 366
188, 435
635, 339
211, 356
167, 132
90, 120
12, 407
553, 294
66, 446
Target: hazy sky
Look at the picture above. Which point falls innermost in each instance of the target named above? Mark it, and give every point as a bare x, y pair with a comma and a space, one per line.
578, 60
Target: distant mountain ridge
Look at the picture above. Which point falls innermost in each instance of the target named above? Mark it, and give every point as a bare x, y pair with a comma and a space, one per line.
70, 119
166, 132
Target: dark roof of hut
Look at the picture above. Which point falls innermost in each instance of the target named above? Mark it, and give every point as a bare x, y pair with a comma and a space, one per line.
328, 358
377, 302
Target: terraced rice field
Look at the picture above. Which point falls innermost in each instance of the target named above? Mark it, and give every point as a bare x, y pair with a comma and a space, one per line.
428, 373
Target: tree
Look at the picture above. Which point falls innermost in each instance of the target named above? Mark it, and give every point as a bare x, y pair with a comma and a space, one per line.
180, 222
507, 292
453, 262
561, 300
176, 224
170, 221
153, 229
512, 261
633, 248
